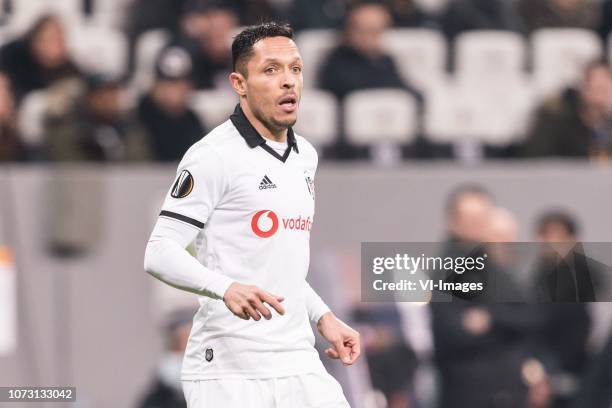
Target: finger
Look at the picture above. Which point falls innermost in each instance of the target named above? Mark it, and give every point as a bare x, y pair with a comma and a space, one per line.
331, 353
237, 311
272, 301
343, 352
355, 350
251, 312
259, 306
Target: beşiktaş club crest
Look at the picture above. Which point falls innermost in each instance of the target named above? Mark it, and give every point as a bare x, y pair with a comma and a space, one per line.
309, 184
208, 354
183, 185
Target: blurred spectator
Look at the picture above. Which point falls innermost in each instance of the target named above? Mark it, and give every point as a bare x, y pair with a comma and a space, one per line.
469, 210
361, 63
94, 125
596, 387
172, 127
578, 122
311, 14
561, 343
167, 390
391, 361
39, 58
11, 148
208, 28
464, 15
538, 14
564, 273
480, 346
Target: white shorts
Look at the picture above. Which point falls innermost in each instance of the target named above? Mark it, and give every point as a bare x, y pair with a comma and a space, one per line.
313, 390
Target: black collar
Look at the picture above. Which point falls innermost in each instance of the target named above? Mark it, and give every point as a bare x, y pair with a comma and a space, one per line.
254, 139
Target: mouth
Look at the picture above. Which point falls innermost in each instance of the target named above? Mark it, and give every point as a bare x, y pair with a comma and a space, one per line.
288, 103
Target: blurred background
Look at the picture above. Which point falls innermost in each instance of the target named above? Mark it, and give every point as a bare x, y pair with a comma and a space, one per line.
435, 121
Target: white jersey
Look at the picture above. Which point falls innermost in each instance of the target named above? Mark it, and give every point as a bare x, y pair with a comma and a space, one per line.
255, 209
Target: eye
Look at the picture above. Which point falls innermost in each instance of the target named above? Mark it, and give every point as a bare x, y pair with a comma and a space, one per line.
270, 70
296, 69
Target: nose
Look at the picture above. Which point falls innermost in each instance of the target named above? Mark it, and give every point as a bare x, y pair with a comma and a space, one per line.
288, 81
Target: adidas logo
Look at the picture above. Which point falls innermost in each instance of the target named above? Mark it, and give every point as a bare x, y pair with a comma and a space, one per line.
266, 183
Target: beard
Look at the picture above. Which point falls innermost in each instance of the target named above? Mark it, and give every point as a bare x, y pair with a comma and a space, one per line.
273, 124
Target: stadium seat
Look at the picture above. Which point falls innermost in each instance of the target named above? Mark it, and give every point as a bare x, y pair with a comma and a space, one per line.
110, 13
318, 117
99, 50
432, 6
487, 55
494, 115
25, 13
31, 117
420, 55
560, 54
314, 46
380, 116
213, 107
148, 47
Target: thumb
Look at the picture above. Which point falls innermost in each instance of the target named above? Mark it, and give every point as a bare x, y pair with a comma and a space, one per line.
343, 352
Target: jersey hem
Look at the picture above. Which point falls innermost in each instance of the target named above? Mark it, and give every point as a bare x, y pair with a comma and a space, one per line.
250, 375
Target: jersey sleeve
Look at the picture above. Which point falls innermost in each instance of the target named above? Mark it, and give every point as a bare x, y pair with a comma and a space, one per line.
314, 304
201, 180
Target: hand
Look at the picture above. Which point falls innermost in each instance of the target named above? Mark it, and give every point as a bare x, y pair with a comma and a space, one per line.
246, 301
476, 321
345, 341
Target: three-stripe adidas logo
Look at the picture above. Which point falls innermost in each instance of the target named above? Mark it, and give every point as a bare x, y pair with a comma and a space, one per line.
266, 183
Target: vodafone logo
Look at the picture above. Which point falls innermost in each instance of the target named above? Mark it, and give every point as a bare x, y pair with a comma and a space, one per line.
264, 223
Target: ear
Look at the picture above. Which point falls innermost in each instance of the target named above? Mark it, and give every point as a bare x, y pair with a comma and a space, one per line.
238, 82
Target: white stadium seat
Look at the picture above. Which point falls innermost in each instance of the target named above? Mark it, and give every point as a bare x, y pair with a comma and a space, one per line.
110, 13
495, 115
380, 116
489, 55
432, 6
213, 107
419, 54
314, 47
148, 47
318, 117
25, 13
99, 50
560, 55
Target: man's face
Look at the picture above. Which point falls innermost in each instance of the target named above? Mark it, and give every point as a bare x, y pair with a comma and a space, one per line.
472, 217
49, 46
596, 89
273, 85
365, 28
555, 232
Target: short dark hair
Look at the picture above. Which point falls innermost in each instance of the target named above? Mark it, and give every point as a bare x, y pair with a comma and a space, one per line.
242, 46
559, 217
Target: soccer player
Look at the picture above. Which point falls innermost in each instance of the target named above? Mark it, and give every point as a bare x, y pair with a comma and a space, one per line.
245, 193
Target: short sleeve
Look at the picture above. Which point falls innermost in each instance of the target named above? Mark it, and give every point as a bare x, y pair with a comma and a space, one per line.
199, 185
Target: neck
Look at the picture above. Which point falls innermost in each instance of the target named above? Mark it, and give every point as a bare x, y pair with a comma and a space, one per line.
277, 135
